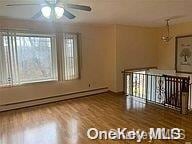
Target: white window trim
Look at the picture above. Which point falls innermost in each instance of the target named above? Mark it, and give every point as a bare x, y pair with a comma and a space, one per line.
57, 56
53, 56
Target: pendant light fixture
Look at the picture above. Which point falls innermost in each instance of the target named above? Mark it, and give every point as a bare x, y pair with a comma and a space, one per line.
167, 37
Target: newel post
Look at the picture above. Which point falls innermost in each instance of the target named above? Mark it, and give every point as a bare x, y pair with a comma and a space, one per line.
185, 96
124, 82
131, 84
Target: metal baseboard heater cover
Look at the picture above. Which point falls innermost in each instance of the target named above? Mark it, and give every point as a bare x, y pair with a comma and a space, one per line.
57, 98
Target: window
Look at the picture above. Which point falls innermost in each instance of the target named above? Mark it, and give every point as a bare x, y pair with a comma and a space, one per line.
70, 57
27, 58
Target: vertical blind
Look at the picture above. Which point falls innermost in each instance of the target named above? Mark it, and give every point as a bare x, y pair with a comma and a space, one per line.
5, 73
29, 58
26, 58
70, 57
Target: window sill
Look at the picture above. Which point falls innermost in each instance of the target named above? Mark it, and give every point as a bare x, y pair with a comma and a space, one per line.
31, 84
40, 83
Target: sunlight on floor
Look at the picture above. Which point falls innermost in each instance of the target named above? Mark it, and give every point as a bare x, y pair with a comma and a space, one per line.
46, 133
135, 103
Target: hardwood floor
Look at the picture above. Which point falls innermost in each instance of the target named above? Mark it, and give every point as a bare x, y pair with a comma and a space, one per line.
67, 122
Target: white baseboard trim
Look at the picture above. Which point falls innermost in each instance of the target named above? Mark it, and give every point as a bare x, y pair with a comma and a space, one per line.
52, 99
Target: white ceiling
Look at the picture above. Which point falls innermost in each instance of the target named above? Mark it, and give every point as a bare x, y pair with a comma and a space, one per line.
132, 12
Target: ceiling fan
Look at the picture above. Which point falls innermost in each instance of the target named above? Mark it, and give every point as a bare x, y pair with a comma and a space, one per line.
54, 9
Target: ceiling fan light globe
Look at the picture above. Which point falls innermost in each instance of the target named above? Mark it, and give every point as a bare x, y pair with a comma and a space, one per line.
46, 11
59, 11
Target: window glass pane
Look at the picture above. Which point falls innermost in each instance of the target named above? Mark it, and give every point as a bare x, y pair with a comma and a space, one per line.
34, 58
27, 58
71, 68
4, 64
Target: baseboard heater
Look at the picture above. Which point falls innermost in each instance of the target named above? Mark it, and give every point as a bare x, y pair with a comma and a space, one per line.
57, 98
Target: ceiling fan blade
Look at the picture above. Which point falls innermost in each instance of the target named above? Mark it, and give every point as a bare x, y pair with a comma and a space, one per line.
10, 5
68, 15
37, 15
79, 7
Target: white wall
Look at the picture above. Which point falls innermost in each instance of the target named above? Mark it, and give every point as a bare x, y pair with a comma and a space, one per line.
136, 48
93, 62
106, 51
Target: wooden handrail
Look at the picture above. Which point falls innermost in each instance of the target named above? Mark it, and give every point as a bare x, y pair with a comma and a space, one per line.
138, 69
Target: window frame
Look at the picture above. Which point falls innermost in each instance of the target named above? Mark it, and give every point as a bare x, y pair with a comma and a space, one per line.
57, 49
78, 61
54, 65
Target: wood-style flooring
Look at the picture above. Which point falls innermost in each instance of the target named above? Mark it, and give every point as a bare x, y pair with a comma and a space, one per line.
67, 122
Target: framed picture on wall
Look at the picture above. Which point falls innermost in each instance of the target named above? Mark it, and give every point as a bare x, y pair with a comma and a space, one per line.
183, 54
